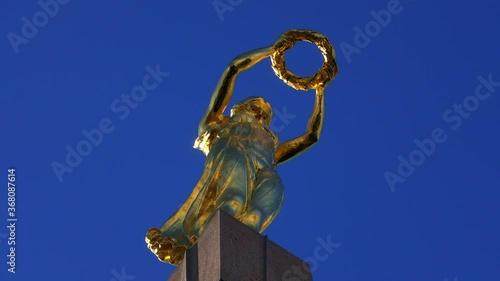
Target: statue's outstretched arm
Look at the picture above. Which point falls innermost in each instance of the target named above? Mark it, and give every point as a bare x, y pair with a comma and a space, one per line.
224, 90
294, 147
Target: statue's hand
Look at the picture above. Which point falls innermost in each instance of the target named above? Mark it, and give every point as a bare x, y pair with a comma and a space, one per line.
283, 43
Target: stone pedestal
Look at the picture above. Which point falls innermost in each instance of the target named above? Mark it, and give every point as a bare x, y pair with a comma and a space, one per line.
230, 251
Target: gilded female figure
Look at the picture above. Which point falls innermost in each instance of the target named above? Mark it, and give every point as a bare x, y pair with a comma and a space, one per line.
242, 154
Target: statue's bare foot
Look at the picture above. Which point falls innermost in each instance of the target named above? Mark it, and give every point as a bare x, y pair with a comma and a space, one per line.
166, 248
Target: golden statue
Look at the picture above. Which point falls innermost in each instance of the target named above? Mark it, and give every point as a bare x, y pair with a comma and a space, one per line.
242, 152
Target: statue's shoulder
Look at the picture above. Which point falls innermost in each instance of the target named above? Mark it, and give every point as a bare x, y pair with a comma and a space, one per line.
206, 138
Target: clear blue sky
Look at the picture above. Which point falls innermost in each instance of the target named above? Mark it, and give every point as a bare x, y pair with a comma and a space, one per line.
405, 178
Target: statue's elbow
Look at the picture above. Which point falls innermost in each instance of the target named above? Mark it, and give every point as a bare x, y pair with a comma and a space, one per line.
313, 138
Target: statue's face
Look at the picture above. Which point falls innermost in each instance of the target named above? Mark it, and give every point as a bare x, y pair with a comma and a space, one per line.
260, 109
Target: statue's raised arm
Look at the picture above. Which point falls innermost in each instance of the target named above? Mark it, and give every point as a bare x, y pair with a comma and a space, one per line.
224, 90
294, 147
318, 81
214, 116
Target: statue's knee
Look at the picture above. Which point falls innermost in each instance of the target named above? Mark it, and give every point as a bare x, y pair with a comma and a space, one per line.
267, 192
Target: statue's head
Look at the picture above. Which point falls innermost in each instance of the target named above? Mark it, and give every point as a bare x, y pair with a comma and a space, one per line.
257, 107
